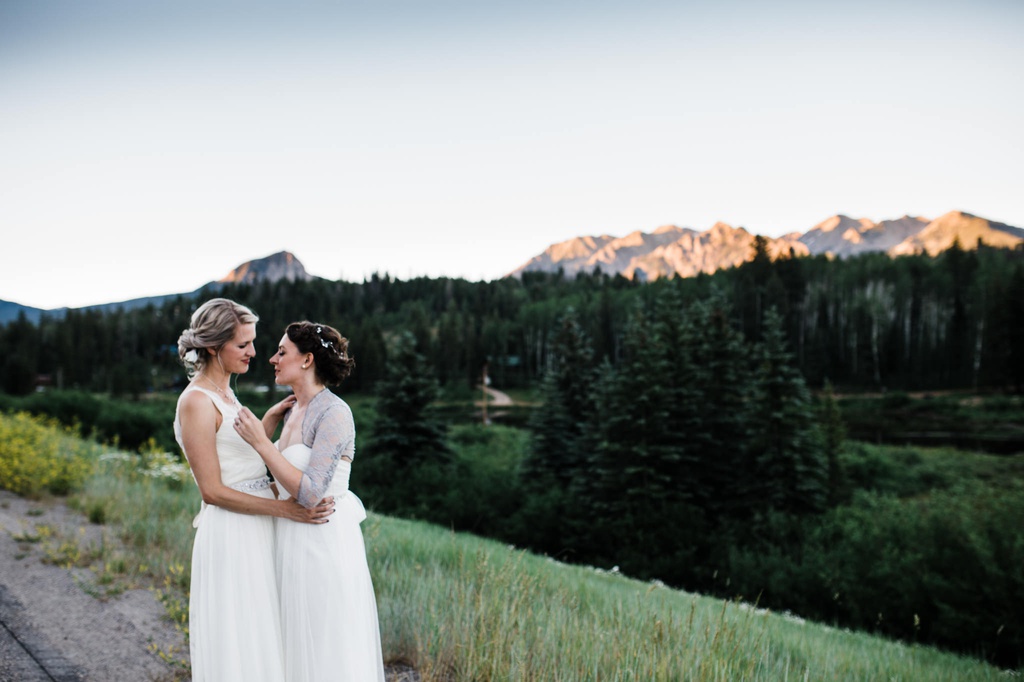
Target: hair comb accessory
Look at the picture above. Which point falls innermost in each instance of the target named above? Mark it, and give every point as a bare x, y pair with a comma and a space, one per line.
319, 331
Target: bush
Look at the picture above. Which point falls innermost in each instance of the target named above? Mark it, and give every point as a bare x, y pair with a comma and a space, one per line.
133, 425
37, 455
129, 423
67, 407
943, 568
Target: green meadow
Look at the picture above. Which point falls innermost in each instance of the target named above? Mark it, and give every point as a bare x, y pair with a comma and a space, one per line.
459, 607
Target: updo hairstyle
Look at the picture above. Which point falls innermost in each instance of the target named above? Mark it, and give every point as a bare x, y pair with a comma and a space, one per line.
214, 324
331, 360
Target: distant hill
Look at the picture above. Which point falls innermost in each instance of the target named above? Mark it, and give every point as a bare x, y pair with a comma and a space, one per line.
10, 310
684, 252
273, 268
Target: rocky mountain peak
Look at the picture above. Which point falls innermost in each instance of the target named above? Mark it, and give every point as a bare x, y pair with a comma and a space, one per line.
959, 226
672, 251
274, 268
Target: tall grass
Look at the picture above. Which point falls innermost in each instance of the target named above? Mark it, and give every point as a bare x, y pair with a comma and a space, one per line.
458, 607
151, 500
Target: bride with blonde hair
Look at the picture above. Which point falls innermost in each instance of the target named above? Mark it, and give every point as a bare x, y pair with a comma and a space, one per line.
234, 610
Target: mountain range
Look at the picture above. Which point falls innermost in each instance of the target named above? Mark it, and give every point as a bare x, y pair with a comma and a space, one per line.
685, 252
279, 266
667, 251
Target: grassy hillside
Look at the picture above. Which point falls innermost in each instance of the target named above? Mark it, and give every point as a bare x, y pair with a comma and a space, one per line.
455, 604
458, 607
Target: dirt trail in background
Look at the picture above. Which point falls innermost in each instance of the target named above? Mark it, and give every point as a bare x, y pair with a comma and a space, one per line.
498, 399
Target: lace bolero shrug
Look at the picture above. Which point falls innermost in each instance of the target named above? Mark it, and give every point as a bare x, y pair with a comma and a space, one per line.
329, 431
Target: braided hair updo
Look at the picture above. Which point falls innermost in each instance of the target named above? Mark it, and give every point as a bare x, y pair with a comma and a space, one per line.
329, 348
213, 324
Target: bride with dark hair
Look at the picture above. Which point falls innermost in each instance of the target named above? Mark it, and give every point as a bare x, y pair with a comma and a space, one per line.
234, 610
328, 608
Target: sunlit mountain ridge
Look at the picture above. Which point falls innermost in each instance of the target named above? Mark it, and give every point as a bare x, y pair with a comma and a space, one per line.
685, 252
666, 252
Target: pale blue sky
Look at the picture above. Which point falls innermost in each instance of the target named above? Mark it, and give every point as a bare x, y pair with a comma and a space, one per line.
147, 148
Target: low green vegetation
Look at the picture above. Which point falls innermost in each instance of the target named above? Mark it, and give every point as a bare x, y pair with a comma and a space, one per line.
129, 424
37, 455
990, 422
136, 424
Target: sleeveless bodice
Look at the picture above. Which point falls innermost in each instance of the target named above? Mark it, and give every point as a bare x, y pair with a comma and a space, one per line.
241, 467
239, 462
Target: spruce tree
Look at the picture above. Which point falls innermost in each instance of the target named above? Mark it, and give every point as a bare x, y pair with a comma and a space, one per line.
560, 427
408, 458
833, 433
788, 466
630, 477
643, 482
561, 438
405, 432
720, 440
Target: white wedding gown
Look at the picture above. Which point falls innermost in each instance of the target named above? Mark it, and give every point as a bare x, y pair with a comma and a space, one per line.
328, 609
234, 612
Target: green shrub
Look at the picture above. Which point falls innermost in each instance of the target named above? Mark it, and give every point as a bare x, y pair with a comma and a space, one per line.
37, 455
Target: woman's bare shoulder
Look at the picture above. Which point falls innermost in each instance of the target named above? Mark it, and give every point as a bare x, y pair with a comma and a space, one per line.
197, 403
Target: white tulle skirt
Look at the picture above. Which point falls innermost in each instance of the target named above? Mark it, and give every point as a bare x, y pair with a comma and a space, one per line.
328, 609
234, 612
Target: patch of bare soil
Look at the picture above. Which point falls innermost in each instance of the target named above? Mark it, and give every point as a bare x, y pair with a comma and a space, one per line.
51, 617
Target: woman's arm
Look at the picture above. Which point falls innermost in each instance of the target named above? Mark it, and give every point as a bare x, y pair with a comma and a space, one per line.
333, 439
252, 430
199, 423
334, 436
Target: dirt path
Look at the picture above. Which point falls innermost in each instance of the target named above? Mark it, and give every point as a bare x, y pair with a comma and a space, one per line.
498, 399
52, 628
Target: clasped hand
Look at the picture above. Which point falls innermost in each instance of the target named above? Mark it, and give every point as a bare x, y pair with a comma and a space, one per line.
317, 514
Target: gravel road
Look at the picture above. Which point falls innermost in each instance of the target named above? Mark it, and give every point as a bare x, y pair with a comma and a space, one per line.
52, 629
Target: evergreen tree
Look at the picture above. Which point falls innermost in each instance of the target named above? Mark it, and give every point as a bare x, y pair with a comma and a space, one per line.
561, 427
833, 433
561, 437
787, 467
721, 439
408, 457
370, 352
644, 477
405, 432
21, 350
630, 477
